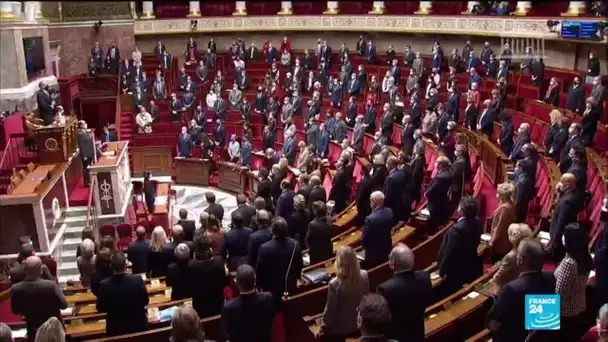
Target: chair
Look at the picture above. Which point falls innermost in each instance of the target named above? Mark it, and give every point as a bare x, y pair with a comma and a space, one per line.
52, 265
125, 235
30, 167
107, 229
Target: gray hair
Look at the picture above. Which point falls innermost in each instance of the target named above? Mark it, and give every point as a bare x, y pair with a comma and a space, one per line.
182, 252
87, 247
5, 333
51, 331
402, 258
602, 316
517, 232
377, 197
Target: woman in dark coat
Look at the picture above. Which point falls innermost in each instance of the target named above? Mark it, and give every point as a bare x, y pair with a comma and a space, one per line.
299, 220
318, 237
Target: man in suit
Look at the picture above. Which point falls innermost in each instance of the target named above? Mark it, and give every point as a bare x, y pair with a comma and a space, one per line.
387, 123
453, 103
574, 138
566, 211
213, 208
175, 107
370, 52
246, 152
358, 134
474, 78
361, 45
252, 53
185, 144
261, 234
166, 60
36, 299
369, 117
17, 272
437, 194
323, 142
123, 297
285, 201
598, 92
46, 105
506, 316
354, 87
317, 193
249, 316
247, 211
436, 60
279, 263
87, 151
393, 188
271, 54
202, 72
188, 226
377, 231
505, 140
411, 82
524, 191
373, 317
486, 119
138, 252
461, 173
219, 134
578, 168
234, 246
219, 107
575, 96
289, 149
267, 139
159, 89
395, 71
208, 274
406, 286
177, 237
407, 135
106, 135
523, 139
340, 189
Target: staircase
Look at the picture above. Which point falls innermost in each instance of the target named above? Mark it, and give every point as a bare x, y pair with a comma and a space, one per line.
75, 220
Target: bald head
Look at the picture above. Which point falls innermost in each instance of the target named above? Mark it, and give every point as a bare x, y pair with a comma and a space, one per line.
177, 232
401, 258
377, 199
530, 254
33, 266
140, 233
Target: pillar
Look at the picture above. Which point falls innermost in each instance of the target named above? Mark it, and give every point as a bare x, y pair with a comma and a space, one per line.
286, 8
241, 8
17, 9
38, 7
576, 8
147, 10
378, 8
195, 9
425, 7
523, 7
332, 8
6, 10
470, 5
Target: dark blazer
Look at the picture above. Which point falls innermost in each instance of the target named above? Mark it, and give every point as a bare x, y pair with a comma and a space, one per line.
471, 117
169, 250
340, 189
37, 300
216, 209
256, 239
298, 225
236, 241
566, 211
323, 144
506, 137
461, 172
317, 194
553, 98
123, 297
510, 305
458, 258
453, 105
289, 150
589, 126
219, 134
137, 253
285, 204
393, 191
487, 122
268, 140
189, 228
179, 280
318, 240
369, 118
260, 102
517, 153
210, 278
247, 211
437, 195
264, 191
580, 172
273, 267
524, 193
554, 130
304, 190
564, 160
275, 186
85, 144
558, 143
364, 190
413, 288
185, 145
249, 318
45, 106
377, 241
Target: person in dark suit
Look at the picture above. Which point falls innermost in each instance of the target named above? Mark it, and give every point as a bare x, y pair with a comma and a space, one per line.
471, 113
578, 168
565, 212
149, 188
304, 186
505, 140
177, 273
219, 134
407, 135
258, 237
107, 136
123, 297
507, 314
319, 234
576, 95
267, 139
453, 103
551, 96
215, 209
264, 187
248, 317
185, 144
459, 262
364, 190
278, 174
236, 240
284, 206
406, 286
437, 194
574, 138
369, 117
524, 192
377, 228
317, 193
87, 151
177, 237
298, 220
17, 272
461, 174
289, 149
486, 119
418, 165
208, 277
271, 54
175, 107
45, 103
340, 189
393, 188
246, 211
138, 250
517, 152
591, 118
279, 263
188, 225
322, 148
36, 299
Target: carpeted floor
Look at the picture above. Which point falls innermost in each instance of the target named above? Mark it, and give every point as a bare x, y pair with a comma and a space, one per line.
80, 195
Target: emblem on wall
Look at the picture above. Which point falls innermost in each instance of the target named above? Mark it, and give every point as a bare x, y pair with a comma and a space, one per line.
106, 198
56, 208
51, 144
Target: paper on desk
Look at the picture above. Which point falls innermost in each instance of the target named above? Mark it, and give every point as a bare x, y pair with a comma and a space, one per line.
160, 200
544, 241
425, 212
434, 276
544, 235
155, 283
67, 311
166, 315
306, 259
485, 237
20, 333
473, 294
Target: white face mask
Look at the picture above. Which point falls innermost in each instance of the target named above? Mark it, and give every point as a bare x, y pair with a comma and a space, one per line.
571, 131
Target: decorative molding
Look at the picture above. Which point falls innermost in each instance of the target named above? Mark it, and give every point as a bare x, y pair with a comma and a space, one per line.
90, 10
28, 90
466, 25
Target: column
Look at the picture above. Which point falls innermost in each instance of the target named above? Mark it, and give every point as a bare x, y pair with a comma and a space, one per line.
332, 8
195, 9
523, 7
147, 10
38, 7
241, 8
576, 8
17, 9
425, 7
286, 8
378, 8
6, 10
470, 6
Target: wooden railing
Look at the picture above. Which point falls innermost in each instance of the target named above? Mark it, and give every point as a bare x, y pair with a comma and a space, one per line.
91, 220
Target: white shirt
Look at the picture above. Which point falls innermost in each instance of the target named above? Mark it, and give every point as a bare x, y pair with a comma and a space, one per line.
211, 98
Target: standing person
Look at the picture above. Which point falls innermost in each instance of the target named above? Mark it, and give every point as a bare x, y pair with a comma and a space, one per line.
236, 241
373, 317
123, 297
46, 105
318, 235
36, 299
85, 262
149, 189
406, 286
248, 317
138, 250
565, 212
502, 218
437, 194
259, 237
344, 294
377, 231
87, 151
177, 273
508, 268
208, 276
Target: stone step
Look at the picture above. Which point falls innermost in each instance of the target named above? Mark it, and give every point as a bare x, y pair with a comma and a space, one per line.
75, 221
63, 279
71, 243
68, 255
66, 266
76, 211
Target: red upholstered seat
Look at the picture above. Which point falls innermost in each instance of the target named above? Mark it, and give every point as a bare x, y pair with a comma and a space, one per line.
52, 265
125, 235
107, 229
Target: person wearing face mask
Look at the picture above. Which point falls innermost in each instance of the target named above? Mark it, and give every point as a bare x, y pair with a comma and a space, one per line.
566, 211
234, 149
461, 173
369, 117
505, 139
524, 192
522, 139
576, 95
437, 194
358, 134
591, 117
574, 138
219, 134
185, 144
578, 168
599, 332
593, 68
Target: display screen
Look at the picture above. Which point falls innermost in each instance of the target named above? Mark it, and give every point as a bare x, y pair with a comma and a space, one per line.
586, 30
34, 56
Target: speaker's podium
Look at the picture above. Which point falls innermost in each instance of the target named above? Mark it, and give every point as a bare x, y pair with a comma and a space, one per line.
192, 171
233, 177
113, 186
57, 142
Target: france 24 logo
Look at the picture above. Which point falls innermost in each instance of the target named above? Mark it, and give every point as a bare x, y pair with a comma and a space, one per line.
542, 312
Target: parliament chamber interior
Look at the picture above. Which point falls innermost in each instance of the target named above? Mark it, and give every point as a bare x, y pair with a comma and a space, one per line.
304, 171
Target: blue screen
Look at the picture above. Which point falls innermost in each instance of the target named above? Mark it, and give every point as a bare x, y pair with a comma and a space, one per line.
580, 30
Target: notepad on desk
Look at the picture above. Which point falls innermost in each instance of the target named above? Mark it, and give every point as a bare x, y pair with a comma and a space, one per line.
160, 200
425, 212
67, 311
486, 237
19, 333
544, 235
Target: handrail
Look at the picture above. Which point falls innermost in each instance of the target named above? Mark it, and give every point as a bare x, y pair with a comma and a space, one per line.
90, 202
118, 109
6, 149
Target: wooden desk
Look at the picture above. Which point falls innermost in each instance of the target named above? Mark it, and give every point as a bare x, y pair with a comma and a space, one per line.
57, 143
192, 171
33, 179
232, 177
157, 160
41, 171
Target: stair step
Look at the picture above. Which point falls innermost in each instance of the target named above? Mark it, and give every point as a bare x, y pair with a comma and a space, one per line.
63, 279
76, 211
71, 242
68, 266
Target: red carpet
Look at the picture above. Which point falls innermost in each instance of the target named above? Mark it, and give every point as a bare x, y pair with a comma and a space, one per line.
80, 195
